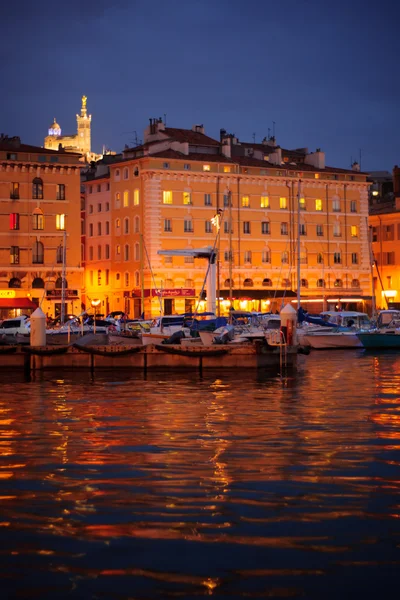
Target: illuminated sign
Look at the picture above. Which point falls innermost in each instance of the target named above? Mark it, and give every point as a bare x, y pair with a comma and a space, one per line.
7, 293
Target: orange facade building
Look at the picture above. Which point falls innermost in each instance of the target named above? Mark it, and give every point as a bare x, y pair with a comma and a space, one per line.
165, 194
40, 197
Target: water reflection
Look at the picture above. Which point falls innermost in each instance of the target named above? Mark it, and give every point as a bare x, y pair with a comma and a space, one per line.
240, 486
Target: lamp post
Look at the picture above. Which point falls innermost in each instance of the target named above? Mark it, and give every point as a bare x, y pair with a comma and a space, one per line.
95, 303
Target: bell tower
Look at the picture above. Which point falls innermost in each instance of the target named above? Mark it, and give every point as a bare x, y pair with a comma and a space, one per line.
84, 121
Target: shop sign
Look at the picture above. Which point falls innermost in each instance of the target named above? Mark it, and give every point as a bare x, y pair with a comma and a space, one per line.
7, 294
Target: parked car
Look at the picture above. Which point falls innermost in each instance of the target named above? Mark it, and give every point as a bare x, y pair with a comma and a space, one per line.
19, 325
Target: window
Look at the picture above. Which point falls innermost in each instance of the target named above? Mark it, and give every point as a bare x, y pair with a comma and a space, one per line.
336, 205
264, 202
107, 206
226, 227
117, 224
168, 260
14, 282
207, 199
226, 199
126, 199
338, 283
285, 283
284, 257
303, 257
107, 277
126, 225
354, 231
302, 204
137, 252
126, 173
60, 195
38, 219
228, 256
304, 283
117, 174
320, 230
208, 227
107, 251
355, 283
388, 258
98, 228
14, 192
117, 199
14, 221
91, 208
267, 282
38, 283
337, 258
282, 203
166, 165
167, 225
90, 252
186, 167
321, 283
14, 255
91, 229
137, 225
245, 201
336, 230
265, 228
98, 189
227, 169
246, 226
37, 189
98, 252
83, 227
167, 197
107, 227
284, 229
189, 259
90, 189
60, 221
375, 237
126, 252
59, 255
320, 259
126, 279
188, 226
99, 277
247, 256
38, 253
136, 171
206, 168
248, 282
302, 229
227, 283
266, 256
118, 250
318, 204
353, 206
316, 175
187, 198
99, 207
354, 258
136, 197
387, 231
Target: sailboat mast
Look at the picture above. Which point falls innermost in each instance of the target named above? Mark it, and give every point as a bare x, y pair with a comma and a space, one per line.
298, 244
63, 276
372, 262
142, 274
230, 249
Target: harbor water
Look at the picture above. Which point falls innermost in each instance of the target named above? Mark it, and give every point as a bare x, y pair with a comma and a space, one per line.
233, 485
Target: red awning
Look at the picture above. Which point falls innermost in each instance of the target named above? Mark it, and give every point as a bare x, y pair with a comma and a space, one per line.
17, 303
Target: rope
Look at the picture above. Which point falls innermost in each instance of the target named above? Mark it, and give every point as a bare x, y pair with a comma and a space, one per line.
97, 352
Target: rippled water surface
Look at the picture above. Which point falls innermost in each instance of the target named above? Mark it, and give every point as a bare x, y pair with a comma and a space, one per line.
176, 486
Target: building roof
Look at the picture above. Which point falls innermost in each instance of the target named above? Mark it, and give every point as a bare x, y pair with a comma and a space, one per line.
199, 156
191, 137
13, 145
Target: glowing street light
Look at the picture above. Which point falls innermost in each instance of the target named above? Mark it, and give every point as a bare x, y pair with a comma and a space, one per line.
95, 303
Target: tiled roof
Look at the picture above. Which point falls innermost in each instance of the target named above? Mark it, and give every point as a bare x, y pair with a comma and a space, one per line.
200, 157
191, 137
14, 148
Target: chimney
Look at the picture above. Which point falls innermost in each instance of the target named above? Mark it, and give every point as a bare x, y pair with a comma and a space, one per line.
222, 134
226, 147
355, 166
198, 128
276, 157
316, 159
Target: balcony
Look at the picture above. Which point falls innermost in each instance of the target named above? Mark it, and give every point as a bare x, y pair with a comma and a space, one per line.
14, 196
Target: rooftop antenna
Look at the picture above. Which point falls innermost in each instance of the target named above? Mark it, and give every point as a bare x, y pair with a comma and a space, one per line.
165, 119
269, 133
273, 129
360, 160
254, 138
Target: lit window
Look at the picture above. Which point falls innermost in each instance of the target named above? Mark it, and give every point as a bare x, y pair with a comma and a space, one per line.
227, 169
187, 198
14, 255
354, 231
316, 175
60, 221
117, 223
14, 221
206, 168
264, 201
118, 250
282, 203
302, 204
117, 199
136, 197
167, 197
245, 201
126, 198
318, 204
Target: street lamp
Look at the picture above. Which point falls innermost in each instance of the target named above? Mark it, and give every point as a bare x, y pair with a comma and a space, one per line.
95, 303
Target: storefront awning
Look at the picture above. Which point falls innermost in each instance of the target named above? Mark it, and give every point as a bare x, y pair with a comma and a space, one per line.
24, 303
258, 294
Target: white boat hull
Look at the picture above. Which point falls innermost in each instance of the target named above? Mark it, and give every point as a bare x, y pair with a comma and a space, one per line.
341, 339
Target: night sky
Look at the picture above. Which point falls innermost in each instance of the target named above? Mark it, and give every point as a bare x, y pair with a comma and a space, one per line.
326, 72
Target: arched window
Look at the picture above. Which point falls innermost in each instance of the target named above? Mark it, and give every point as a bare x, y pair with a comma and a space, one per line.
227, 283
59, 283
98, 252
126, 252
136, 171
37, 189
321, 283
267, 282
117, 279
98, 228
137, 279
355, 283
248, 282
117, 224
137, 225
107, 227
37, 219
320, 258
117, 174
126, 173
126, 225
137, 252
126, 199
285, 283
38, 283
189, 283
117, 200
59, 255
304, 283
38, 253
107, 252
338, 283
14, 283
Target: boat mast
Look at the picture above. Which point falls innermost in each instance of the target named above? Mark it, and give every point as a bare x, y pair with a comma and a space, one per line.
230, 255
298, 243
142, 274
372, 262
63, 276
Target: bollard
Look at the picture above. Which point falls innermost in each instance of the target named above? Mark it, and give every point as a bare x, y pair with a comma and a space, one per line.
288, 325
38, 328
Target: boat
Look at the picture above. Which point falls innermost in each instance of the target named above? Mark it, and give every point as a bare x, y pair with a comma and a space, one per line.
386, 334
164, 327
343, 334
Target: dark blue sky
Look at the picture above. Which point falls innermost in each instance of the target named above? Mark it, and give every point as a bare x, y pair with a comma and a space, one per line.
325, 71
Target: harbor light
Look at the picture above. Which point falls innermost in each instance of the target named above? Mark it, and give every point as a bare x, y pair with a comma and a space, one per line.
95, 303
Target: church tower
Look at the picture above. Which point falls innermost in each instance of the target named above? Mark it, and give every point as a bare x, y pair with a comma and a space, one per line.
84, 121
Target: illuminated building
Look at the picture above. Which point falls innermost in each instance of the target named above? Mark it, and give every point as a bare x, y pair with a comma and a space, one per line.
164, 193
80, 142
39, 194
